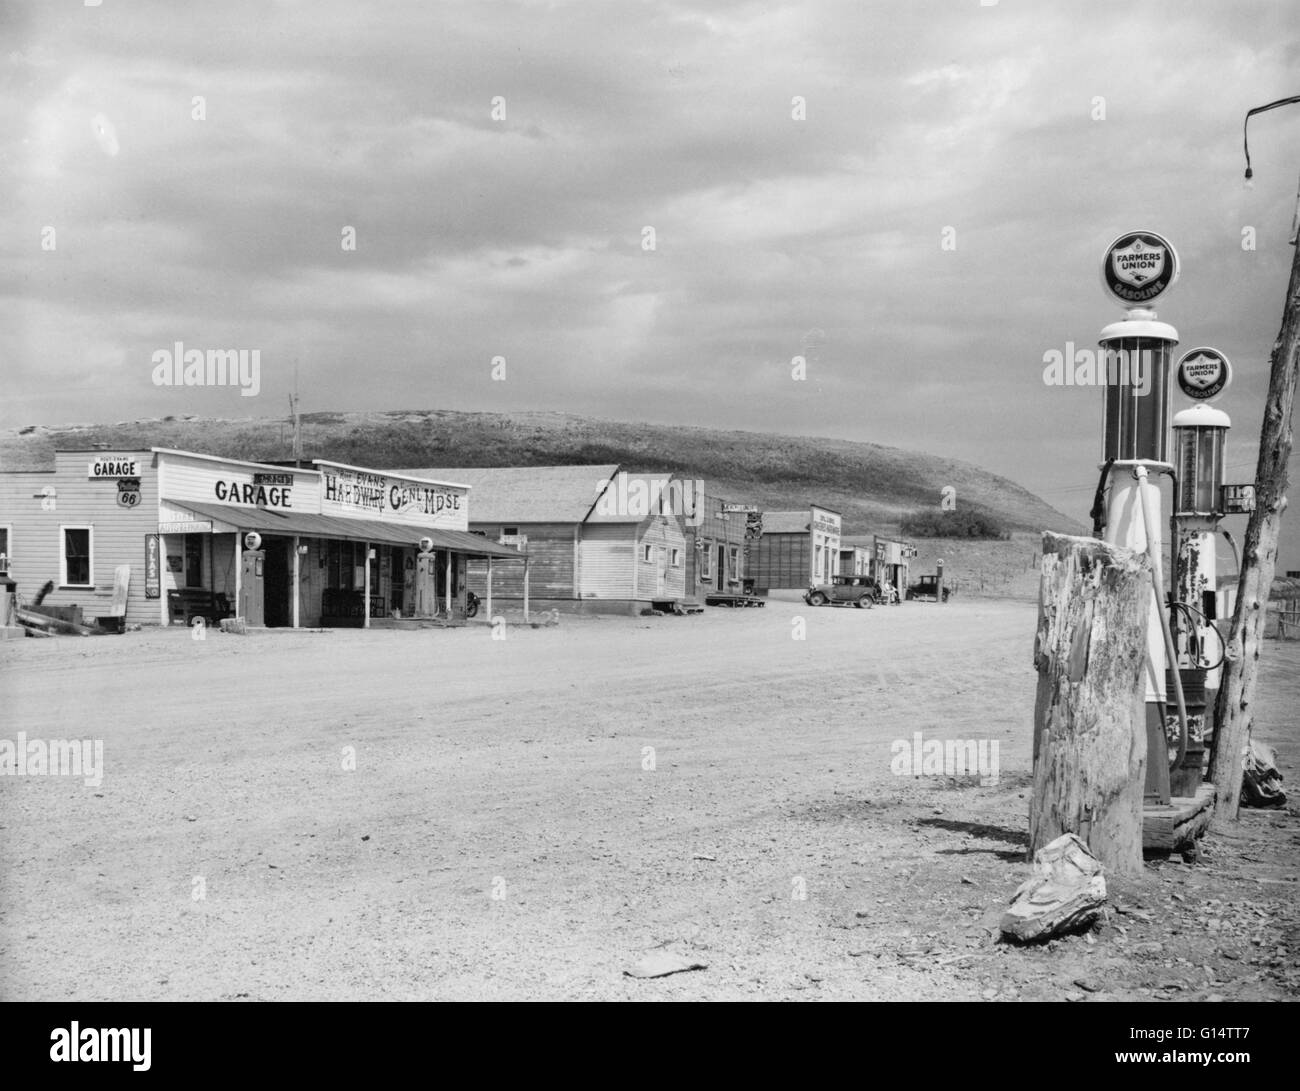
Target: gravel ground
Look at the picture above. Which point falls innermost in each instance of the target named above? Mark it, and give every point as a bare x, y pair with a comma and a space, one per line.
502, 837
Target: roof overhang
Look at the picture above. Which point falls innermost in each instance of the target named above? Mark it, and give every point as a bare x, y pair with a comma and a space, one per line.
305, 524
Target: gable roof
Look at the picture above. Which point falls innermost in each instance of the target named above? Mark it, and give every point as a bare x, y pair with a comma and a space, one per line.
525, 494
633, 498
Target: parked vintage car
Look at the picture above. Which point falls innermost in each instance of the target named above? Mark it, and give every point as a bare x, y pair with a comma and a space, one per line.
927, 587
861, 591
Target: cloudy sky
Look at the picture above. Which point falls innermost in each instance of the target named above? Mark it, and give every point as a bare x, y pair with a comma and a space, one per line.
915, 197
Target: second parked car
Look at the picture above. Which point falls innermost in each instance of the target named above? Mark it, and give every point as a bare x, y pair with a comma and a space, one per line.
861, 591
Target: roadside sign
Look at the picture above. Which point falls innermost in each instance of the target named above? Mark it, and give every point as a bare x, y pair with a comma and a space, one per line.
1139, 267
1203, 373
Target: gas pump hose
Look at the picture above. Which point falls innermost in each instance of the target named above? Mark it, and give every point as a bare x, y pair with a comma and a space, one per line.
1157, 578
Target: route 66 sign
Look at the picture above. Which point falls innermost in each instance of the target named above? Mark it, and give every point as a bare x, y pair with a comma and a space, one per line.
128, 492
1139, 267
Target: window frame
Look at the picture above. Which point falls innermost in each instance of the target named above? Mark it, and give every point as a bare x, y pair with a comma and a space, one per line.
647, 553
89, 528
675, 557
8, 549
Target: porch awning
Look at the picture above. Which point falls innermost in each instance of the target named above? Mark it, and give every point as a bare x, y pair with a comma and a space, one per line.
267, 521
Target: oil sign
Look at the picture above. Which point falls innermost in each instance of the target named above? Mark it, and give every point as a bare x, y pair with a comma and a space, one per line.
152, 568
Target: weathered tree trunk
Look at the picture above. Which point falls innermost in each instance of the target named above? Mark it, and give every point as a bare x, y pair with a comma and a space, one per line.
1090, 716
1258, 562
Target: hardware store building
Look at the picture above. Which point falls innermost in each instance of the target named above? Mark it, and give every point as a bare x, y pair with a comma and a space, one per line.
340, 545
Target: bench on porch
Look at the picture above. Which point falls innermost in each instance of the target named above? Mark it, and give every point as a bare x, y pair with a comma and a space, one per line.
188, 603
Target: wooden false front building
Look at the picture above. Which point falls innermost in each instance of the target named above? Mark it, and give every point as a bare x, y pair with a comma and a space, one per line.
177, 535
796, 549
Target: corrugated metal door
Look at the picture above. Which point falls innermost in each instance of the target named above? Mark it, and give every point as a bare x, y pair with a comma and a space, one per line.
606, 559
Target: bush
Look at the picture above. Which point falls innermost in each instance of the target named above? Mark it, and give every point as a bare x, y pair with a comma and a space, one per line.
968, 523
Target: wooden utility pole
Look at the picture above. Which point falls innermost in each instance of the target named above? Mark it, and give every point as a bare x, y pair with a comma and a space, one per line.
297, 420
1258, 560
1090, 714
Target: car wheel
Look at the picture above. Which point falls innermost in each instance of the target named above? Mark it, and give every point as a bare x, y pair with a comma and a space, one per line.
865, 602
817, 599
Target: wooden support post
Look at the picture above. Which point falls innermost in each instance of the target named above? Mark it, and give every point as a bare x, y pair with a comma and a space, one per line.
1258, 560
447, 582
296, 575
239, 573
489, 588
525, 589
1090, 714
365, 615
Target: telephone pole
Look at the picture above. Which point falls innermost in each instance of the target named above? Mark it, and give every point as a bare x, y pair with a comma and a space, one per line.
1259, 550
297, 420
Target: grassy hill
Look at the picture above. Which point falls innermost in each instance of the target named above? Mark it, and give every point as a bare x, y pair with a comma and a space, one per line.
872, 486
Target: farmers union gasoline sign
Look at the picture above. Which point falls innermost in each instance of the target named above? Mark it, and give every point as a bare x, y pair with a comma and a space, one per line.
1139, 267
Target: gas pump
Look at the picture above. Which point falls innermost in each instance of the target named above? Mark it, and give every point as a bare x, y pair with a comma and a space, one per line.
426, 580
1134, 366
252, 567
1200, 441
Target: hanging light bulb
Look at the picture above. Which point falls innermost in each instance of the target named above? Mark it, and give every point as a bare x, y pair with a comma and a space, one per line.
1245, 127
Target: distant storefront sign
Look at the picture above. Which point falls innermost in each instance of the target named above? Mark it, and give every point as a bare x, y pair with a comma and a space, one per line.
1238, 499
186, 526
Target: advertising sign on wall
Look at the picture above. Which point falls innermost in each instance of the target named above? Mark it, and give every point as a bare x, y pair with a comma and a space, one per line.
152, 567
364, 494
114, 466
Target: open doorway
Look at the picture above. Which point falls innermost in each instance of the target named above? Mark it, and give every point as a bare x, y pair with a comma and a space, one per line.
276, 581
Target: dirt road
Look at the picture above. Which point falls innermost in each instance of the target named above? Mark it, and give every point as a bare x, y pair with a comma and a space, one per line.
526, 817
